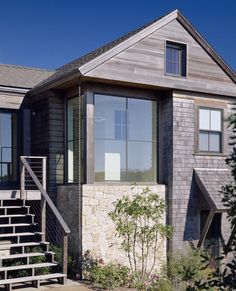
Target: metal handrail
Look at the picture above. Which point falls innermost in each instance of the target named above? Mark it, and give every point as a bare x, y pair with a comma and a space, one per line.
45, 195
45, 199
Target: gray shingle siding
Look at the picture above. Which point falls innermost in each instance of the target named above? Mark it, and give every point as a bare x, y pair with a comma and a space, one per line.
183, 193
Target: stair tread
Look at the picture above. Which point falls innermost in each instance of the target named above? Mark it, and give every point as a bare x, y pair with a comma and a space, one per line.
14, 207
17, 256
32, 278
16, 215
29, 266
19, 234
17, 224
26, 244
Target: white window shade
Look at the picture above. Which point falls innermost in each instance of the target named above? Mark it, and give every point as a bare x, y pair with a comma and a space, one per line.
204, 119
112, 167
216, 120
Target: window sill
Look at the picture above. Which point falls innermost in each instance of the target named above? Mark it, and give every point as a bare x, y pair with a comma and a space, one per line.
211, 154
177, 76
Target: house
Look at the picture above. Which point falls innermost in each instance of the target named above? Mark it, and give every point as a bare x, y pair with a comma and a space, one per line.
148, 109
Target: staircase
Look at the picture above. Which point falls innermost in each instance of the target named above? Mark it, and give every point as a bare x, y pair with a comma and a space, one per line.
23, 255
28, 227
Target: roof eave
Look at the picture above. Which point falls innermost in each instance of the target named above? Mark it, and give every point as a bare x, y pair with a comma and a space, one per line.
60, 80
12, 89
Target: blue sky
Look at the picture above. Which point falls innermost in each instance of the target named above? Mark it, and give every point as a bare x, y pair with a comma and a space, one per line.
49, 33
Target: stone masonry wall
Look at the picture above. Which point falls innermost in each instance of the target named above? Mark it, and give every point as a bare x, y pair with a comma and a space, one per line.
98, 230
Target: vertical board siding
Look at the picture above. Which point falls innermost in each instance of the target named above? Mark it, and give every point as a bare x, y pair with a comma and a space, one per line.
56, 142
48, 136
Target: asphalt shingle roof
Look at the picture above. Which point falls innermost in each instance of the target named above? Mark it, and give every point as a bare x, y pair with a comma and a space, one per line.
22, 77
211, 181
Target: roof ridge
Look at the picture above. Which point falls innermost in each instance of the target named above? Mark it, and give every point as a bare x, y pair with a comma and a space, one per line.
25, 67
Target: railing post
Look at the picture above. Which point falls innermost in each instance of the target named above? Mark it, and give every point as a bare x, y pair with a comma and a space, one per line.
43, 201
64, 253
22, 180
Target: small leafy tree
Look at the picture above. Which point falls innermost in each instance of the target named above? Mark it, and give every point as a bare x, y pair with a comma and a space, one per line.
139, 223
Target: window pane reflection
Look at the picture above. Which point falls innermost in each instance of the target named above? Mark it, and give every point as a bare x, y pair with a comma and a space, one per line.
141, 120
109, 117
125, 139
8, 147
74, 143
140, 161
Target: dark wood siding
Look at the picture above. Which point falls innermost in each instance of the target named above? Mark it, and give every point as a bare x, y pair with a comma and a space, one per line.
47, 133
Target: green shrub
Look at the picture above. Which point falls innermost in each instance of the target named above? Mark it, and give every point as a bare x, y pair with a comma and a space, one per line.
88, 265
139, 223
71, 263
38, 260
184, 270
110, 276
162, 284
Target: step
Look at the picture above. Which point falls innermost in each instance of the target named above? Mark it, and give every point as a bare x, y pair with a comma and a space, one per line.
25, 244
30, 266
32, 278
19, 256
16, 215
14, 207
2, 235
17, 224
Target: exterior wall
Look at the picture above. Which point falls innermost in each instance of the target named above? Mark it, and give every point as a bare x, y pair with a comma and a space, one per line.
166, 148
56, 140
11, 100
144, 63
184, 194
70, 206
47, 136
98, 231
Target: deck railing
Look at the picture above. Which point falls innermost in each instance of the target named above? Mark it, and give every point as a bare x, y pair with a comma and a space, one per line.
51, 223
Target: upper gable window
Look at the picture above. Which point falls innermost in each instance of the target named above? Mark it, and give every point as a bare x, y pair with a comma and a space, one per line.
175, 61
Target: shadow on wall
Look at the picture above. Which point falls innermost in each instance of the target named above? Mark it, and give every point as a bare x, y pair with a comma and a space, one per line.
191, 221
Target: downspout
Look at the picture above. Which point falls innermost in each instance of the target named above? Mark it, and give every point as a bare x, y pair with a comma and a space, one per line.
80, 183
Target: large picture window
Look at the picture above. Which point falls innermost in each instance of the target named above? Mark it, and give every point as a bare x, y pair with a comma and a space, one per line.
210, 130
125, 139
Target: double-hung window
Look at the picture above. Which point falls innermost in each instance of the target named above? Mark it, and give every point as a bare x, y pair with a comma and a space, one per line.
210, 130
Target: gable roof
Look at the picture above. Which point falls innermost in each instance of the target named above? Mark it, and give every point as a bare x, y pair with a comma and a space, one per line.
22, 77
89, 61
